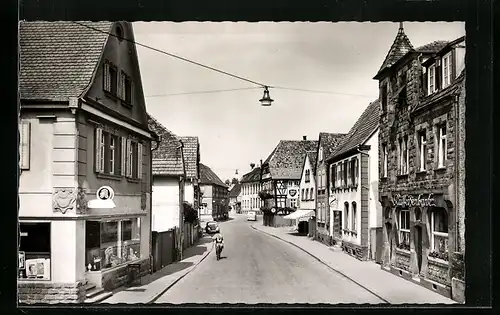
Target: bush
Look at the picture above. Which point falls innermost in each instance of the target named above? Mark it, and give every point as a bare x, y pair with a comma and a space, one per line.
190, 214
440, 255
457, 266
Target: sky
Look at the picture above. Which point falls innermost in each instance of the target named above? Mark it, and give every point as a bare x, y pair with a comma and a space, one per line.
234, 130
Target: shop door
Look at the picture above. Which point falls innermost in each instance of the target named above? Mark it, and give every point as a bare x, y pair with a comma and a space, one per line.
418, 246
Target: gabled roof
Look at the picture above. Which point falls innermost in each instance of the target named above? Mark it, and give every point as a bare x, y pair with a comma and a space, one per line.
432, 47
190, 149
364, 127
252, 176
328, 141
400, 47
313, 156
167, 158
208, 177
286, 160
58, 59
235, 191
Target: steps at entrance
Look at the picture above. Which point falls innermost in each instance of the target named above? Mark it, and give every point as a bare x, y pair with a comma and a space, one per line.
95, 295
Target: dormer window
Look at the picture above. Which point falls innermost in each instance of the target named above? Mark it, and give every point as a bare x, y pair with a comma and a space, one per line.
447, 70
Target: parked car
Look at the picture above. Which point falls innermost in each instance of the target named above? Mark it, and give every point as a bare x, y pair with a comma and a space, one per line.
251, 216
212, 227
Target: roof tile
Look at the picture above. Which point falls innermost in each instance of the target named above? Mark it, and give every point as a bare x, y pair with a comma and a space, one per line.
287, 159
167, 158
191, 151
58, 59
400, 47
207, 176
252, 176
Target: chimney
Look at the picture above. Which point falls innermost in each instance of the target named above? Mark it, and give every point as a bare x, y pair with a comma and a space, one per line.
260, 162
304, 138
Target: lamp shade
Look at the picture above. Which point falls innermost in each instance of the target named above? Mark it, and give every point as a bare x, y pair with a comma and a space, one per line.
266, 100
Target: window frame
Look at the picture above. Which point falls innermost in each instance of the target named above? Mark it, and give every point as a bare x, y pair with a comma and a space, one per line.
354, 216
442, 149
404, 231
384, 161
431, 79
447, 71
422, 147
346, 216
434, 233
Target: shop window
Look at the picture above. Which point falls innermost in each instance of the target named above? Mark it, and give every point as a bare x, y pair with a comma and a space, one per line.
111, 243
34, 251
404, 229
439, 230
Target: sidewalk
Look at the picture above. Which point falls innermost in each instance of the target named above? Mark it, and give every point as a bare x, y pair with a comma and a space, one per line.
154, 285
368, 274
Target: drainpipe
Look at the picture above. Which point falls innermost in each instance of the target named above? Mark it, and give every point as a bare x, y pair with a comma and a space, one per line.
457, 173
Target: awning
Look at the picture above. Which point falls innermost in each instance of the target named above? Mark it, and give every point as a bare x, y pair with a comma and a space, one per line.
299, 214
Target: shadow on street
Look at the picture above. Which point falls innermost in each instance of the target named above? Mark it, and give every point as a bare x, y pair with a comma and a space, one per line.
165, 271
196, 250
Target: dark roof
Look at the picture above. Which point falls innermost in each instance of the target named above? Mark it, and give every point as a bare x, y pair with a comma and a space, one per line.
252, 176
432, 47
454, 88
167, 158
287, 159
235, 191
190, 150
58, 59
364, 127
313, 156
329, 141
400, 47
208, 177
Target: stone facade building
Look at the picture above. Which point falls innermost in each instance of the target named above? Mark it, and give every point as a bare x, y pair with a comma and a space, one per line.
421, 184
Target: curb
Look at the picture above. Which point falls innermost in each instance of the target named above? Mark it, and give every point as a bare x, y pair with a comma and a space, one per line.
158, 295
324, 263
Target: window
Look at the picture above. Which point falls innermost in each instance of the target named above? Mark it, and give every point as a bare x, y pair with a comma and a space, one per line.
442, 147
422, 143
312, 194
24, 145
307, 194
333, 175
318, 211
404, 229
320, 154
108, 158
385, 161
447, 70
308, 173
110, 78
354, 218
344, 168
34, 251
339, 175
346, 216
431, 80
303, 194
403, 156
383, 98
439, 230
134, 159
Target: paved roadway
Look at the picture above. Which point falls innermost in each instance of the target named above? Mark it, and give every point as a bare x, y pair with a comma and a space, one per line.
257, 268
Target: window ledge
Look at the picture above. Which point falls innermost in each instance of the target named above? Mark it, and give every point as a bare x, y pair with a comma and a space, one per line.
384, 178
111, 95
424, 172
403, 251
440, 169
109, 176
133, 180
402, 176
126, 104
438, 261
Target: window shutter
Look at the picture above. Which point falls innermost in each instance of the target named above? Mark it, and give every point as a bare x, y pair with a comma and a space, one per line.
139, 160
98, 147
356, 171
121, 85
25, 144
106, 78
131, 92
129, 158
124, 156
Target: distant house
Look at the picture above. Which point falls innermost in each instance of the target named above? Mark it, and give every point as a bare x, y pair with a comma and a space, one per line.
168, 179
353, 197
250, 187
235, 198
191, 151
83, 132
281, 174
328, 142
215, 200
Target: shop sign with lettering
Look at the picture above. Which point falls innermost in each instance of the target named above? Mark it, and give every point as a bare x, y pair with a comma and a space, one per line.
412, 201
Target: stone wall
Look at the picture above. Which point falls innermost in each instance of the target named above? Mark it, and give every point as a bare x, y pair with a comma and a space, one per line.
322, 236
51, 293
357, 251
437, 271
402, 260
461, 170
119, 276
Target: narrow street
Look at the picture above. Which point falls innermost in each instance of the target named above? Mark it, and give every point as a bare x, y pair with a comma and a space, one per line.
257, 268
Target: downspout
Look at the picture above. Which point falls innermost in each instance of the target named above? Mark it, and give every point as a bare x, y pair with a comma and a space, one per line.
368, 188
457, 173
151, 204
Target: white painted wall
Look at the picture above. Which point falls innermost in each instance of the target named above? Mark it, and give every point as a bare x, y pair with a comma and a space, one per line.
64, 253
165, 204
374, 206
249, 192
307, 204
189, 192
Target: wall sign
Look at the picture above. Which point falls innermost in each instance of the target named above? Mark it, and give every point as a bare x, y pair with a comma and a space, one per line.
105, 193
22, 261
292, 192
104, 199
412, 201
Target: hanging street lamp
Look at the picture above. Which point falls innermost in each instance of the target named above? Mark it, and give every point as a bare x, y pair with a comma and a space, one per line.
266, 100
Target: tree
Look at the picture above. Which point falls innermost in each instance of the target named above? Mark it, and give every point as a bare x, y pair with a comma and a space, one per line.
234, 181
227, 182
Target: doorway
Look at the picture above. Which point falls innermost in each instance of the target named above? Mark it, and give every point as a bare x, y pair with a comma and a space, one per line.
418, 246
388, 227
